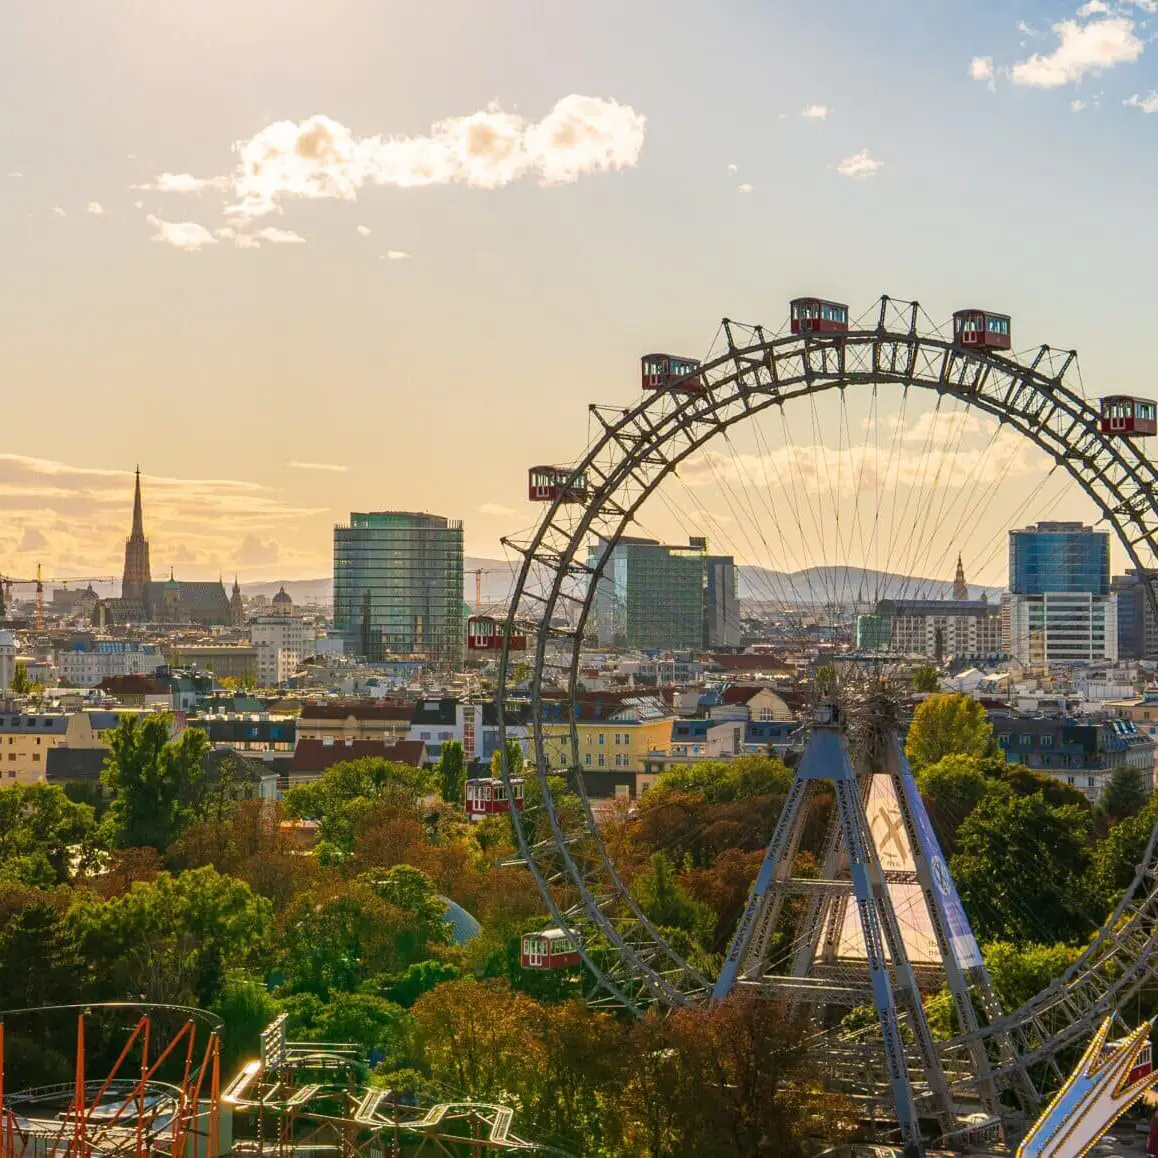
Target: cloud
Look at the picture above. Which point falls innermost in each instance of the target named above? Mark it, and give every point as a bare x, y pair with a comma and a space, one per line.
330, 466
58, 211
364, 230
321, 158
1082, 48
733, 170
1093, 8
240, 240
745, 188
497, 509
1148, 103
1077, 106
16, 173
183, 183
1150, 6
816, 112
859, 165
1026, 29
95, 208
32, 540
281, 236
254, 553
138, 205
397, 255
981, 68
186, 235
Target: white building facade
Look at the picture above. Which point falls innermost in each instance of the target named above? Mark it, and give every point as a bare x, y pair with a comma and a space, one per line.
105, 658
1063, 628
282, 642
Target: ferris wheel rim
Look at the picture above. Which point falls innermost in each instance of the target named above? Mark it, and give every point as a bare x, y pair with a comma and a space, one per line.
1033, 398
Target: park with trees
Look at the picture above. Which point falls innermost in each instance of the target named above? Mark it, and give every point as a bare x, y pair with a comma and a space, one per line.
175, 886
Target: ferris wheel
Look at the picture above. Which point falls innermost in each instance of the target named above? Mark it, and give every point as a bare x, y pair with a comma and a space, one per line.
851, 463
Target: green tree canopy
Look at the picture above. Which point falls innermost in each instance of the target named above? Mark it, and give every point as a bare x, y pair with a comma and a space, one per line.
170, 938
668, 903
155, 782
1019, 972
722, 781
347, 792
20, 684
948, 726
1021, 869
925, 679
1126, 792
44, 836
1118, 855
952, 788
452, 772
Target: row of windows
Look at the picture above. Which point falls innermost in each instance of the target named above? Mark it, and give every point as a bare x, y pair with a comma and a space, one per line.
1025, 740
28, 722
624, 739
35, 757
621, 760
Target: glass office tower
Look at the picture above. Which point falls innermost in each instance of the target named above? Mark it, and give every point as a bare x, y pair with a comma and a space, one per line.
398, 586
1059, 557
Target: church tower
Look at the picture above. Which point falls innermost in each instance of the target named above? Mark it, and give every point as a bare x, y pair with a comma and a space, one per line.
236, 611
137, 571
960, 587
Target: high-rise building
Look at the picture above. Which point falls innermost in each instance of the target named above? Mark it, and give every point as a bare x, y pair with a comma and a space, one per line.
1060, 608
1137, 624
656, 596
398, 586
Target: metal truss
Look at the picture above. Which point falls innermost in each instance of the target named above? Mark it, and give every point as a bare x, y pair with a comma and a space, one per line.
634, 450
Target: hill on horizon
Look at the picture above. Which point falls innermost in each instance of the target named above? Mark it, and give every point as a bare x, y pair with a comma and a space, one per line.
809, 585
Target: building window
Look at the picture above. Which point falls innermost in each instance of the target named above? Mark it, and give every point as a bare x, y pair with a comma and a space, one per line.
1003, 740
602, 759
1047, 741
617, 739
1089, 782
1025, 740
36, 759
587, 759
627, 739
766, 715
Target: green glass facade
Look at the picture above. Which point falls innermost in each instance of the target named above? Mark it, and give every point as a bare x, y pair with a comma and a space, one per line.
656, 596
398, 586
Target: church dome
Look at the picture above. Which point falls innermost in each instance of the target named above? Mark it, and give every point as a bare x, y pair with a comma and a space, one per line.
281, 599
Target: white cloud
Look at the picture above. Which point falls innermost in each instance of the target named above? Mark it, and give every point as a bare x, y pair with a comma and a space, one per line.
497, 509
1093, 8
186, 235
95, 208
183, 183
1077, 106
733, 170
16, 173
58, 211
1148, 103
281, 236
138, 205
1150, 6
745, 188
245, 241
816, 112
1026, 29
334, 467
981, 68
397, 255
319, 157
364, 230
1082, 48
859, 165
254, 553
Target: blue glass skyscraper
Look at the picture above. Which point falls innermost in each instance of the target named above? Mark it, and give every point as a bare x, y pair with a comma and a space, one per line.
1059, 558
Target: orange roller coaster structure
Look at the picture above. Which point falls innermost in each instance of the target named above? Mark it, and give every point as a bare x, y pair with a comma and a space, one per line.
146, 1106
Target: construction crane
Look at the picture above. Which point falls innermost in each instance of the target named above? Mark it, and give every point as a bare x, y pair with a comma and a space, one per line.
478, 573
8, 582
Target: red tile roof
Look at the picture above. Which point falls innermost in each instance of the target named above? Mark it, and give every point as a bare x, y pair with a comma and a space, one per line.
741, 693
312, 755
359, 709
132, 685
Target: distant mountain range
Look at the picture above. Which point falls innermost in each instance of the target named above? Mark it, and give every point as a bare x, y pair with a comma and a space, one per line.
844, 584
811, 585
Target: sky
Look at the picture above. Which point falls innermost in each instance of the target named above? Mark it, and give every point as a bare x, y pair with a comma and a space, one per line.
299, 259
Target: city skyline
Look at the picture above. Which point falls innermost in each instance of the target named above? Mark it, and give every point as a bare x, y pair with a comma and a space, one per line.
269, 267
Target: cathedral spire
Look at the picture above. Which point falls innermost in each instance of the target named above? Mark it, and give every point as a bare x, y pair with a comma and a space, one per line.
960, 587
138, 532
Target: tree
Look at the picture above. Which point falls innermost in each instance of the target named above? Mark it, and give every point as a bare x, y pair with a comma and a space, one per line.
44, 836
39, 964
378, 1025
347, 792
170, 938
1022, 869
1118, 855
1019, 972
668, 903
721, 781
154, 781
20, 684
514, 759
925, 679
452, 772
952, 788
1126, 793
246, 1007
946, 726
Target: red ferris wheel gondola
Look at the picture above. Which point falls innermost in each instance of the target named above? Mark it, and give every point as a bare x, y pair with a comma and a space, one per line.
487, 796
545, 484
817, 316
671, 372
982, 329
550, 949
485, 633
1133, 416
